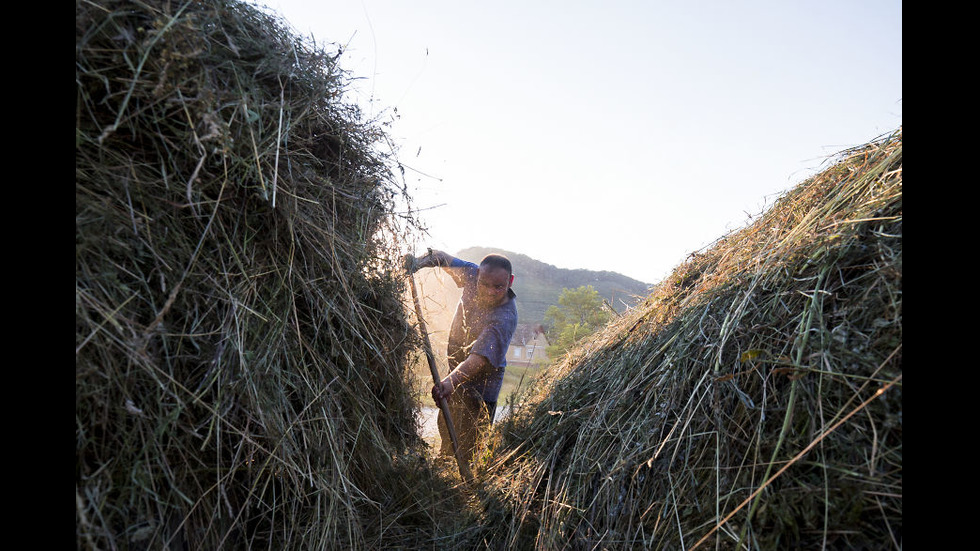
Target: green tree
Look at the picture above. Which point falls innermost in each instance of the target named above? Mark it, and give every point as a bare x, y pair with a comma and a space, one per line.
580, 312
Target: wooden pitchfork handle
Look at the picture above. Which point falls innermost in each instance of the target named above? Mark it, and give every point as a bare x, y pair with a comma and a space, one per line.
443, 404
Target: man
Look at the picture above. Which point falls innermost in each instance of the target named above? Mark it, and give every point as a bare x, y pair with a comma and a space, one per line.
482, 327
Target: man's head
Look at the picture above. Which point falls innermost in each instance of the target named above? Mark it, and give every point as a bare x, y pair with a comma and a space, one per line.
496, 277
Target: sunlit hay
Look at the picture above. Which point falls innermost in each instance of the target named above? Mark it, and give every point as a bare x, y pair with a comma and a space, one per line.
240, 339
753, 401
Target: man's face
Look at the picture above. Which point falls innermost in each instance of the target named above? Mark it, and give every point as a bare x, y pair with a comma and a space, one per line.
492, 284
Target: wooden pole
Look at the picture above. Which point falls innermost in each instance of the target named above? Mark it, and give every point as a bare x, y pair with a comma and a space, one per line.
464, 468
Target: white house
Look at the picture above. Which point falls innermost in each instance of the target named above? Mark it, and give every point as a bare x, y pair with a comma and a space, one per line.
528, 346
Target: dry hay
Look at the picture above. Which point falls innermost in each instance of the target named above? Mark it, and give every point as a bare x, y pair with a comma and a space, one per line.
753, 401
241, 341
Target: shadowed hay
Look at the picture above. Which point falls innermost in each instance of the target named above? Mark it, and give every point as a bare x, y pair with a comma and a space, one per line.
241, 341
754, 401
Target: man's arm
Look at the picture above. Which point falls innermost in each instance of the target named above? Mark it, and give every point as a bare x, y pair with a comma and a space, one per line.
431, 259
435, 259
469, 368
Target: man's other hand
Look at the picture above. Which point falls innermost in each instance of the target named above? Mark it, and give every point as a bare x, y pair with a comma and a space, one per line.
442, 391
410, 263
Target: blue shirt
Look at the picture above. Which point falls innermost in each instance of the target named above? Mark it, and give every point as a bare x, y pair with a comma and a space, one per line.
482, 331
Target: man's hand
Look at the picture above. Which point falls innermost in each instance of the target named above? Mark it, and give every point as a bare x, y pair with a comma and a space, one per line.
471, 367
410, 263
442, 391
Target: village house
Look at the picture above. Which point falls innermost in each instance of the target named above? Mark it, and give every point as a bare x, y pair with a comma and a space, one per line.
528, 346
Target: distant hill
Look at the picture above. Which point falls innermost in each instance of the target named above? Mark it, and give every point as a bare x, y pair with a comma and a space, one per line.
538, 285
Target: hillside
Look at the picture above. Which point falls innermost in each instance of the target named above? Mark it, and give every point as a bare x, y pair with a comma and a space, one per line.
538, 284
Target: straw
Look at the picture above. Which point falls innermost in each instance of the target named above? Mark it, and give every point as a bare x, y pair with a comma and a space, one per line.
242, 348
752, 401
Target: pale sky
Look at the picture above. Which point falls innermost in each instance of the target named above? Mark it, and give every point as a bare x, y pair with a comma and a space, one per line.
611, 135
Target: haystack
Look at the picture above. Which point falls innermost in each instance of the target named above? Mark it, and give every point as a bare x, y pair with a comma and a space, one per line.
240, 332
753, 401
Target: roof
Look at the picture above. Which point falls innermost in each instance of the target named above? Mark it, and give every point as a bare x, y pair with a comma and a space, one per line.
526, 332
